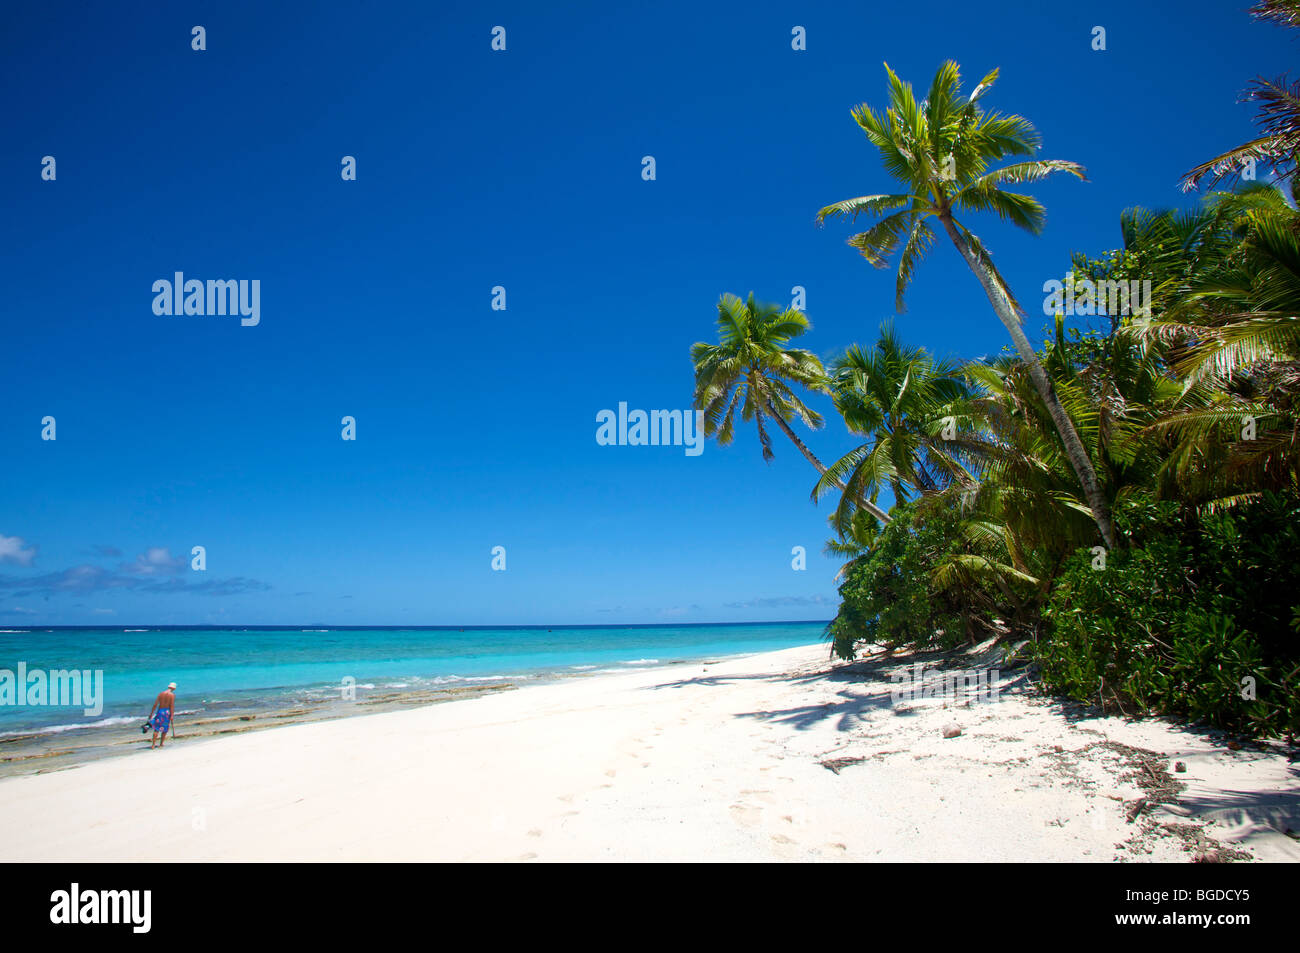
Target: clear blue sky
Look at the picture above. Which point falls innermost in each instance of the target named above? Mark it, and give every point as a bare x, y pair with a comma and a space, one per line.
476, 428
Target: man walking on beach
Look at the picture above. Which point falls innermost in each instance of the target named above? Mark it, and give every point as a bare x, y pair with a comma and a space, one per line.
160, 716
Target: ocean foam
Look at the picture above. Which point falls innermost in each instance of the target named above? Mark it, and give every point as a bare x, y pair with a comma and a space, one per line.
58, 729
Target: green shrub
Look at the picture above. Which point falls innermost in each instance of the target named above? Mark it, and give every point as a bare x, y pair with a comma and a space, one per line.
1190, 620
889, 595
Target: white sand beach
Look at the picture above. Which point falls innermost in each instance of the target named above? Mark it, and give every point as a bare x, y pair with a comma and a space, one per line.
779, 756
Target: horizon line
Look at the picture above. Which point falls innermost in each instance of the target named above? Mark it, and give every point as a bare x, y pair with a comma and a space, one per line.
306, 626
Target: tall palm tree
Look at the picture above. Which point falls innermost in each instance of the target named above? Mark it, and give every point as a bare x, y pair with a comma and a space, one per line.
749, 369
941, 149
898, 396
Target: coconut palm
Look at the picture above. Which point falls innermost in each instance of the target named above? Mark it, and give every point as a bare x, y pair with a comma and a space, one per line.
1279, 124
1232, 336
900, 397
1025, 480
941, 149
1243, 306
1162, 247
751, 369
853, 542
1278, 119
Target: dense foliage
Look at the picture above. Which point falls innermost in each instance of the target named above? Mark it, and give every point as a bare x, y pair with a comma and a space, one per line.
890, 597
1126, 496
1196, 618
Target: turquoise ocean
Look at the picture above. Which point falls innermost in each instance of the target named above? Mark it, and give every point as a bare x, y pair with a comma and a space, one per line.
250, 669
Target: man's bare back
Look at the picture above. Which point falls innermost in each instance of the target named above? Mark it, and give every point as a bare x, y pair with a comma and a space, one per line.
161, 715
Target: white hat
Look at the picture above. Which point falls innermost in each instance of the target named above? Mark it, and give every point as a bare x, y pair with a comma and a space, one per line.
171, 686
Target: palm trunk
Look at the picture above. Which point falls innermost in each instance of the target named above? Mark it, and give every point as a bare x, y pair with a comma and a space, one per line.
1074, 449
870, 507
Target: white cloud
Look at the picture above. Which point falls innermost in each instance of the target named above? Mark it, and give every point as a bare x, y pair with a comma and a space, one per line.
155, 561
776, 602
14, 549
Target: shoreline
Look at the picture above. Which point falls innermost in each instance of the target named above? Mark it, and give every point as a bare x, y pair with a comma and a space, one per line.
778, 755
41, 749
41, 752
234, 679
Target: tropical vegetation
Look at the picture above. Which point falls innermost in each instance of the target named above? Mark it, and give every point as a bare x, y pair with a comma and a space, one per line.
1121, 501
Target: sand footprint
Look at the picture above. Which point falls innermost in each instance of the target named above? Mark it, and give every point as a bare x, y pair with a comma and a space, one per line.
745, 815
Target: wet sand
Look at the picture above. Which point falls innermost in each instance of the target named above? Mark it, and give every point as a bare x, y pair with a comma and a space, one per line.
41, 752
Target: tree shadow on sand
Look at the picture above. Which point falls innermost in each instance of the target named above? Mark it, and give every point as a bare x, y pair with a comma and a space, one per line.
854, 707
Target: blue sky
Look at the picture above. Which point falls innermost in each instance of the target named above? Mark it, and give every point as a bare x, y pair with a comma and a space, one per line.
476, 428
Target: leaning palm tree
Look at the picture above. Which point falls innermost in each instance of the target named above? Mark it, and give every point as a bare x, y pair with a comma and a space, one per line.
941, 149
751, 369
901, 398
1278, 119
1284, 12
1278, 142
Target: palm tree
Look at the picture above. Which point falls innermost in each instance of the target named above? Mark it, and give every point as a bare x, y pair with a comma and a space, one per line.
749, 369
1232, 335
1279, 124
1285, 12
1025, 500
898, 396
1163, 247
941, 149
1278, 119
854, 541
1243, 305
